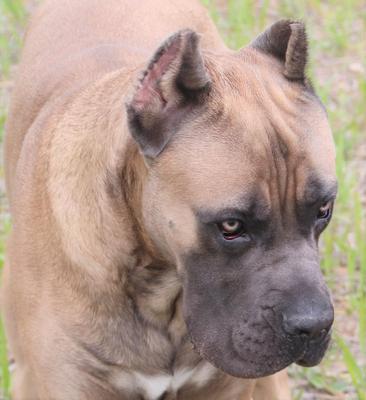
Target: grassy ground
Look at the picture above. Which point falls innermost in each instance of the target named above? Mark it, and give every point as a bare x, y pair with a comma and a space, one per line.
337, 33
12, 21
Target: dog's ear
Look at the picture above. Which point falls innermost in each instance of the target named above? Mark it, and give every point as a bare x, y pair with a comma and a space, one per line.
174, 82
287, 41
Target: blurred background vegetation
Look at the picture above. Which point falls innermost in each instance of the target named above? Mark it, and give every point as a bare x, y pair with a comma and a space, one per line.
337, 36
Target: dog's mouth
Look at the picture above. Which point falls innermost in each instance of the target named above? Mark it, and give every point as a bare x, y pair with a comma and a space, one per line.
257, 354
314, 351
266, 360
279, 350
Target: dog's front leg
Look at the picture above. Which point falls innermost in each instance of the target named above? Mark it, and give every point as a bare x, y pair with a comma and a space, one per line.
27, 385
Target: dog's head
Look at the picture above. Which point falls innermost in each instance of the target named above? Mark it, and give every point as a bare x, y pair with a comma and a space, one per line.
241, 183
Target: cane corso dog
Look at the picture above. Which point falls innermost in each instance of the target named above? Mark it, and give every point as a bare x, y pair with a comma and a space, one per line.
166, 213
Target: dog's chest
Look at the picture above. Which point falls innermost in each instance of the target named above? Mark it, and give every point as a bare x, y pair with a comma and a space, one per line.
154, 387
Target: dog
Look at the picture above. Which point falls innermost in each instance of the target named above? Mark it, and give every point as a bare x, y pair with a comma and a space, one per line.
166, 213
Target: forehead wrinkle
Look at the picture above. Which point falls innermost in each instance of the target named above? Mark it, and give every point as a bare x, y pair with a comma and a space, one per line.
278, 124
282, 151
281, 119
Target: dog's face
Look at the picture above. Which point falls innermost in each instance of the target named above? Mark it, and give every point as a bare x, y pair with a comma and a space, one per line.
241, 183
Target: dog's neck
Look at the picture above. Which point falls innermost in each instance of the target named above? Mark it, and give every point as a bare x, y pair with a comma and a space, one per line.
106, 249
131, 182
152, 283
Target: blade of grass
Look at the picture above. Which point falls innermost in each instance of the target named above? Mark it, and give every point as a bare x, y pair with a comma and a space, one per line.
356, 372
5, 374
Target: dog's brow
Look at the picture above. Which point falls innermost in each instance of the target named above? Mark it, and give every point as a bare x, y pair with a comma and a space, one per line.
253, 210
320, 191
332, 190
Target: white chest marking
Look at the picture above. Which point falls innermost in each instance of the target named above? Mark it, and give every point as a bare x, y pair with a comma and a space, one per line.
153, 386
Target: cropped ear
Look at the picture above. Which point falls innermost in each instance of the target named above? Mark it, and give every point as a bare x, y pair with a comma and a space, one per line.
286, 40
174, 82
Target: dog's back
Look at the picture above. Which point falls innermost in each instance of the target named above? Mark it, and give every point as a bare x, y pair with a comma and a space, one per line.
71, 43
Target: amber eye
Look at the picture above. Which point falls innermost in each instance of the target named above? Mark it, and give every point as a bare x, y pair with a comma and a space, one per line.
231, 228
325, 211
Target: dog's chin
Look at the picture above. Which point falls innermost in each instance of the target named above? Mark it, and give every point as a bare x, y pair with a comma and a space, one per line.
239, 366
249, 362
257, 359
245, 370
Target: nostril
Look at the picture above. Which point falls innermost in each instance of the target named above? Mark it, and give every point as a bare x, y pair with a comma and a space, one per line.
307, 326
305, 333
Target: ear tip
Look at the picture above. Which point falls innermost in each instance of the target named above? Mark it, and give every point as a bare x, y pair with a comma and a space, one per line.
299, 27
299, 35
191, 39
289, 21
289, 25
188, 34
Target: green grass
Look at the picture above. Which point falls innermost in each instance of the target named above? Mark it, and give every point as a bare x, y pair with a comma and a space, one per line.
337, 38
12, 20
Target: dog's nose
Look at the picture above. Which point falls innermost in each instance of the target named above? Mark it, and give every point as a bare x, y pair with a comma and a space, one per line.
309, 322
308, 325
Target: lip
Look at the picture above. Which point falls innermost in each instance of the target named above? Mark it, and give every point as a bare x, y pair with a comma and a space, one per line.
274, 364
310, 353
314, 351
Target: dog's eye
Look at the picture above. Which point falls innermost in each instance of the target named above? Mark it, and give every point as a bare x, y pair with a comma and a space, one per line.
231, 229
325, 211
